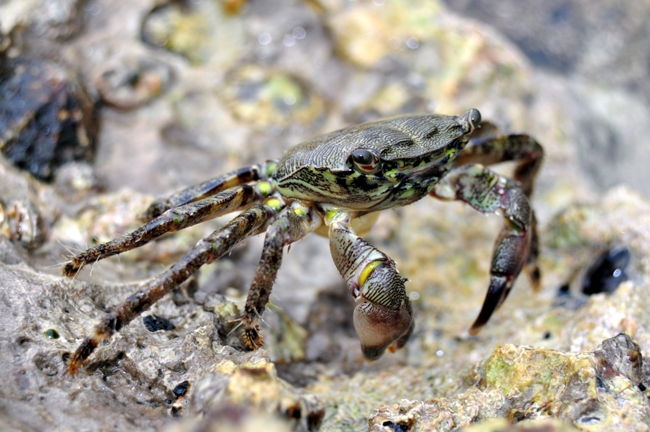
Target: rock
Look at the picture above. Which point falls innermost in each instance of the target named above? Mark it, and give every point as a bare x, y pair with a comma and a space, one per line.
46, 118
56, 20
186, 369
521, 383
204, 32
129, 80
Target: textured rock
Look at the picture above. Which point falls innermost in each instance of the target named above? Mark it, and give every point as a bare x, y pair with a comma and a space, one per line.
588, 390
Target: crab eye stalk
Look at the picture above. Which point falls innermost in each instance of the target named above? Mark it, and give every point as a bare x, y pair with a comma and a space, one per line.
365, 162
473, 116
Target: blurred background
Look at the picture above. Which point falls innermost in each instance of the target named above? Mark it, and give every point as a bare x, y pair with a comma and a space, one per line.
188, 83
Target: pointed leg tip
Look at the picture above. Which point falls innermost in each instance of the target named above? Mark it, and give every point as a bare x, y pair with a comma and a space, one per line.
475, 329
72, 267
72, 369
82, 353
69, 270
75, 364
253, 339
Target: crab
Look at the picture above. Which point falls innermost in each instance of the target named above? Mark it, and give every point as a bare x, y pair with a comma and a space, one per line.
335, 185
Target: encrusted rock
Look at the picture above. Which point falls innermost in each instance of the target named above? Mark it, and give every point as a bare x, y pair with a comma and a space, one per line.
587, 390
46, 118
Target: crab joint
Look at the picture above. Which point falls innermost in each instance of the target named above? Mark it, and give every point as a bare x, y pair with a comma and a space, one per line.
264, 188
275, 203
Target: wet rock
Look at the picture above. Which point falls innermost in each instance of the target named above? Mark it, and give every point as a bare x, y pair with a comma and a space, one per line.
181, 389
23, 218
155, 323
203, 32
193, 127
46, 118
564, 338
606, 272
181, 366
402, 52
285, 339
54, 20
367, 34
525, 383
562, 35
232, 417
58, 19
540, 425
255, 385
271, 100
21, 222
75, 180
130, 80
620, 355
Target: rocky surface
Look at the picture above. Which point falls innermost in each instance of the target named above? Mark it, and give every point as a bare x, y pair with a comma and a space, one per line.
46, 118
189, 90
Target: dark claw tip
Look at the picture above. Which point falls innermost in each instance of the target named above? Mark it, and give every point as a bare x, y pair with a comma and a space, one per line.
373, 353
476, 328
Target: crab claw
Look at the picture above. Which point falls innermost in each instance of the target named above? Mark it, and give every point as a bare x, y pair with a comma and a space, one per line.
383, 317
511, 252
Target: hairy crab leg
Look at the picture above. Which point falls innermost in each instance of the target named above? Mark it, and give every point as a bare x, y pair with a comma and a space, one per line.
174, 219
250, 222
383, 316
489, 192
211, 187
292, 223
528, 154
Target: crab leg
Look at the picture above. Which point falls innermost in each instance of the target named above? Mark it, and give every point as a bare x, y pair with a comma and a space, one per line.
489, 192
174, 219
211, 187
250, 222
292, 224
492, 150
383, 316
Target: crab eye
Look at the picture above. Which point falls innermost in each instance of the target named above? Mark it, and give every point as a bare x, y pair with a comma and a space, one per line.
474, 117
365, 161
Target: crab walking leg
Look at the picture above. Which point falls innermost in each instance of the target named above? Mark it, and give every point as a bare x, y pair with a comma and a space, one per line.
172, 220
383, 316
211, 187
250, 222
292, 224
489, 192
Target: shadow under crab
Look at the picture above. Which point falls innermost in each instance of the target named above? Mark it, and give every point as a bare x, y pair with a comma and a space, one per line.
334, 185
